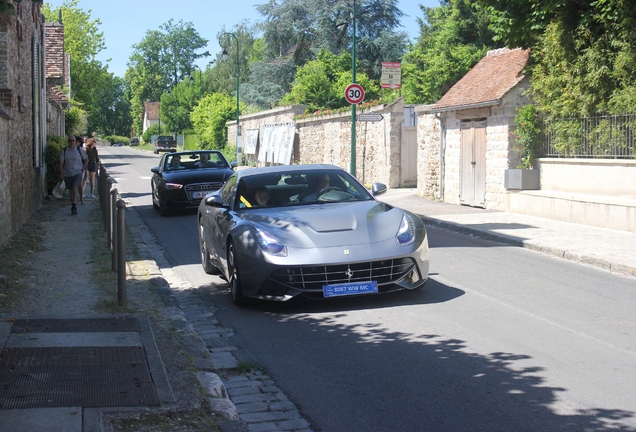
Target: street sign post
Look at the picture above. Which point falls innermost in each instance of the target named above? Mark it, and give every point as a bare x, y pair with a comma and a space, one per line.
370, 117
354, 93
391, 75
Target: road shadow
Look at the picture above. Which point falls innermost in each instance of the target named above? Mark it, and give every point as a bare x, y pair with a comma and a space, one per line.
359, 374
450, 236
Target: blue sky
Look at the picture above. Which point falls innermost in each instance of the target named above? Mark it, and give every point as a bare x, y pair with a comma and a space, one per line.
125, 22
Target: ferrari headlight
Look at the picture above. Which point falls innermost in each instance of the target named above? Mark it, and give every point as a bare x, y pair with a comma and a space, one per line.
406, 234
269, 244
171, 186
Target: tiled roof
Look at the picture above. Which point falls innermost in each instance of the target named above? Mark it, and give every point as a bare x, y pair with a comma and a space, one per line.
54, 42
490, 79
152, 110
57, 95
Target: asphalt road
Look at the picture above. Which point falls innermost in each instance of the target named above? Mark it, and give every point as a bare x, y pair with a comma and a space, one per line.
500, 339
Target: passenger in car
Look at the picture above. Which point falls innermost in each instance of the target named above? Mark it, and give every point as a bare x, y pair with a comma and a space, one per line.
261, 196
204, 161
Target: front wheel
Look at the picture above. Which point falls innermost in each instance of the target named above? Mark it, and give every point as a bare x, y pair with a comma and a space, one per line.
235, 277
205, 253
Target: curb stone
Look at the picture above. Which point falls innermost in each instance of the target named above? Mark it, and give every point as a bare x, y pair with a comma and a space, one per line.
211, 347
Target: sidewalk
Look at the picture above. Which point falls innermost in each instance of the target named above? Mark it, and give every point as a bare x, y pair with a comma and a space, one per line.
610, 249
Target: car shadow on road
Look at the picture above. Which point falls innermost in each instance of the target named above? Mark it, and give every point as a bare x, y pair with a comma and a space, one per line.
435, 383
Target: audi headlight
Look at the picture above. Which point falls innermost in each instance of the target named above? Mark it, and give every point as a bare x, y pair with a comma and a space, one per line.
171, 186
269, 244
406, 234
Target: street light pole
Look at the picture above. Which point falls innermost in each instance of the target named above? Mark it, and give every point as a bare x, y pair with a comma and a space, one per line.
224, 56
352, 166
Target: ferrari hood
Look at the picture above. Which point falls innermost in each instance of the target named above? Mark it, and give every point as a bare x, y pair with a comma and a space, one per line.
328, 225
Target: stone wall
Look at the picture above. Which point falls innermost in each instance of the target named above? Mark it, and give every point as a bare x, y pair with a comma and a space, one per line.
428, 147
21, 184
55, 122
327, 139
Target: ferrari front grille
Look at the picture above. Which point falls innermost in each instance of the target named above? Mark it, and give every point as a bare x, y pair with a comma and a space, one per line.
313, 278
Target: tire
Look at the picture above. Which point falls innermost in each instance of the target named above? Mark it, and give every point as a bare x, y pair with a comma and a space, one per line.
152, 191
205, 254
235, 277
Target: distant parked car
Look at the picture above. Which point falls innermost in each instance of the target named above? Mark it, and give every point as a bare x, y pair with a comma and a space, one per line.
165, 143
134, 141
182, 179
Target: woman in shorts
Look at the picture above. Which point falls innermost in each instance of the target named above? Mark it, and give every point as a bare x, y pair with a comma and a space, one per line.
93, 160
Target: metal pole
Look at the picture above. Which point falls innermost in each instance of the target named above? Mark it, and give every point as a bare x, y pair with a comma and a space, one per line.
352, 167
239, 152
107, 187
113, 227
121, 252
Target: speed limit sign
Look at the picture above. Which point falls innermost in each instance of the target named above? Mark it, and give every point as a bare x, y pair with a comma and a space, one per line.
354, 93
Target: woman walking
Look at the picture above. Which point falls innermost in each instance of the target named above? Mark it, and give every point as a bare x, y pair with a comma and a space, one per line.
93, 160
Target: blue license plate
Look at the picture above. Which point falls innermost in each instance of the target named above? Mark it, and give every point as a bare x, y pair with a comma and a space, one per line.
352, 288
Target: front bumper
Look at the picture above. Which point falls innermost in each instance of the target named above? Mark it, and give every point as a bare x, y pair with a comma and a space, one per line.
281, 279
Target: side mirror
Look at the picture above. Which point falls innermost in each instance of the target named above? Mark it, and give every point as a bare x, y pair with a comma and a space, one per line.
214, 200
155, 170
378, 189
233, 164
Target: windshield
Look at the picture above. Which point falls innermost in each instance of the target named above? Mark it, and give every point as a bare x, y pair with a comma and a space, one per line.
195, 160
298, 188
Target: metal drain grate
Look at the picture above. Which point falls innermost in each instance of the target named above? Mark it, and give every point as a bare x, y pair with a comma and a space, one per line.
75, 325
75, 376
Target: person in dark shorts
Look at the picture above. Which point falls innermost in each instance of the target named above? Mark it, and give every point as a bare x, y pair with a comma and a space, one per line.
93, 160
73, 163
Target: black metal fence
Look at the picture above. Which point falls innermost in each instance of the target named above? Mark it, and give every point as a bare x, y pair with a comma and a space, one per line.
596, 137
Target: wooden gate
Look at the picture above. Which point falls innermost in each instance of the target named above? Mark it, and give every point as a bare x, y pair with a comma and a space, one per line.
408, 157
473, 163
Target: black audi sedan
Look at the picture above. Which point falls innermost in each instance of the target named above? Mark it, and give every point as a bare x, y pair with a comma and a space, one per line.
182, 179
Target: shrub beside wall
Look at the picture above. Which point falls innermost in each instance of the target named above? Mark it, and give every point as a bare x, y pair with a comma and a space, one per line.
54, 146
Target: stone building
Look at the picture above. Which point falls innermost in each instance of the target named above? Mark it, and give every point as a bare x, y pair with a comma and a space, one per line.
57, 79
22, 116
476, 116
151, 114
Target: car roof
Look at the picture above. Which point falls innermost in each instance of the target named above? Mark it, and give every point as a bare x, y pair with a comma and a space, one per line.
287, 169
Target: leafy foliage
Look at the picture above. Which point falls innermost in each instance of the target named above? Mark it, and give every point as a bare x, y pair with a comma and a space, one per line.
54, 146
177, 104
268, 83
163, 58
527, 129
75, 119
209, 119
300, 28
111, 113
453, 38
320, 83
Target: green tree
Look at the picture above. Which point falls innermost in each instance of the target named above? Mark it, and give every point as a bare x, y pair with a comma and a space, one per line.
453, 38
82, 41
111, 113
268, 83
320, 83
176, 105
209, 119
584, 51
300, 28
162, 59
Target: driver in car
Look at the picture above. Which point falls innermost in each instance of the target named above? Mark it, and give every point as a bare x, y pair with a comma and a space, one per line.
175, 163
320, 183
204, 161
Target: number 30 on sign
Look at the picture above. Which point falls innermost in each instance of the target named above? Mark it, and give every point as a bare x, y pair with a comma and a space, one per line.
354, 93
